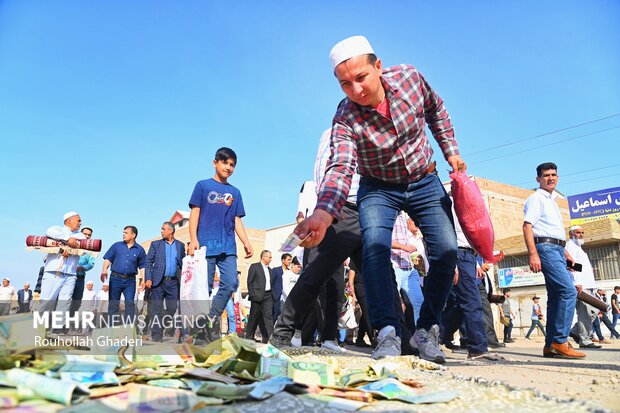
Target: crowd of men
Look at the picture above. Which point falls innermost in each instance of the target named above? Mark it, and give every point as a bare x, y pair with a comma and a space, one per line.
377, 205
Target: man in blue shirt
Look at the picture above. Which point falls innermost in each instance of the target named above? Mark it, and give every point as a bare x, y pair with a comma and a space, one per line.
86, 263
127, 259
215, 217
163, 268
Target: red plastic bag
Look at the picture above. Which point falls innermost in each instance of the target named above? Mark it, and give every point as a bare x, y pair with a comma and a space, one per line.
473, 215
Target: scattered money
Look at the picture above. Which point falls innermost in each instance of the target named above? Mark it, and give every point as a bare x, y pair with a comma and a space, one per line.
292, 242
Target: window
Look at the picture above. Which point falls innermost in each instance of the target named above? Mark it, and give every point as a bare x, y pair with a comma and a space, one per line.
605, 261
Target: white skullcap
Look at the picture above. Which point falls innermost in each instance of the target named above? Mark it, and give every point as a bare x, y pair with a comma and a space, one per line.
86, 226
69, 215
348, 48
7, 278
574, 227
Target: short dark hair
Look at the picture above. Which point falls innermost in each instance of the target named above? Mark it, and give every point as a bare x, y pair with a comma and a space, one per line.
285, 256
170, 225
263, 252
372, 58
295, 261
133, 229
617, 287
224, 154
506, 290
545, 167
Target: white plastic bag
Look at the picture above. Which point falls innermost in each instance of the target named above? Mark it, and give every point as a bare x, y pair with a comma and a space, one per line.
347, 316
194, 294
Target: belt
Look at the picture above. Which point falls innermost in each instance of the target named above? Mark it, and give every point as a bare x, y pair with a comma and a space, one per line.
126, 276
467, 249
169, 278
351, 205
540, 240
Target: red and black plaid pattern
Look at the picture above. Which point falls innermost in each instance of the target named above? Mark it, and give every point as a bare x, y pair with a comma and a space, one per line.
393, 150
43, 241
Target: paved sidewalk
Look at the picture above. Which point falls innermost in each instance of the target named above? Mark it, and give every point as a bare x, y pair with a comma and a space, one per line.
595, 378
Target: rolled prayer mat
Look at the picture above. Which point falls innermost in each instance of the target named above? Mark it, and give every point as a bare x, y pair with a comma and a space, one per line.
43, 241
593, 301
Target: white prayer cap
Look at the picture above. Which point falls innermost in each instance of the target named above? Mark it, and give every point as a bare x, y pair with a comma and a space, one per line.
7, 278
86, 226
69, 215
574, 227
348, 48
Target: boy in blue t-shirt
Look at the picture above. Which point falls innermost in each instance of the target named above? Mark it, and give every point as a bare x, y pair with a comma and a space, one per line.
216, 212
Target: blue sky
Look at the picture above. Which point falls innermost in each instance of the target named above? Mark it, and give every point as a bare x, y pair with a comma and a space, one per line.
115, 109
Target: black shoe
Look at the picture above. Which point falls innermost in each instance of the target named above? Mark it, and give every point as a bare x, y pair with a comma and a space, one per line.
497, 345
591, 345
212, 329
450, 345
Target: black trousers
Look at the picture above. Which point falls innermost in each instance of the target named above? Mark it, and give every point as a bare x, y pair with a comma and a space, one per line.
260, 310
364, 325
487, 315
78, 293
326, 309
343, 239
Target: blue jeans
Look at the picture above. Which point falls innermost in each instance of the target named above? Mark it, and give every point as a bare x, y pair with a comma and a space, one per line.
228, 281
428, 204
536, 323
466, 306
127, 287
230, 313
409, 281
561, 293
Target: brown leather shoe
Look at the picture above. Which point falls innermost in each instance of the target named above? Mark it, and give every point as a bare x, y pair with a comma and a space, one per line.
565, 351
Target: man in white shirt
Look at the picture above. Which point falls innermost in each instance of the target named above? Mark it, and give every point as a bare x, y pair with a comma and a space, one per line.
543, 230
7, 293
584, 281
259, 291
101, 305
87, 304
61, 269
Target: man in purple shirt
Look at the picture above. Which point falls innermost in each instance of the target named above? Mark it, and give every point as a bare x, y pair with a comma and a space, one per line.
381, 126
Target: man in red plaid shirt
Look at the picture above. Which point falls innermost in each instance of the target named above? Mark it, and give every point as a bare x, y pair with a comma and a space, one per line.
380, 124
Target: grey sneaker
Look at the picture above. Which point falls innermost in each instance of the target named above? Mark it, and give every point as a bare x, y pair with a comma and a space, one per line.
296, 340
388, 346
333, 346
279, 341
427, 342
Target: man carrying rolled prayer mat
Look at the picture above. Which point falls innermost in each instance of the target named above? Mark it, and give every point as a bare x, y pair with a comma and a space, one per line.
60, 270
